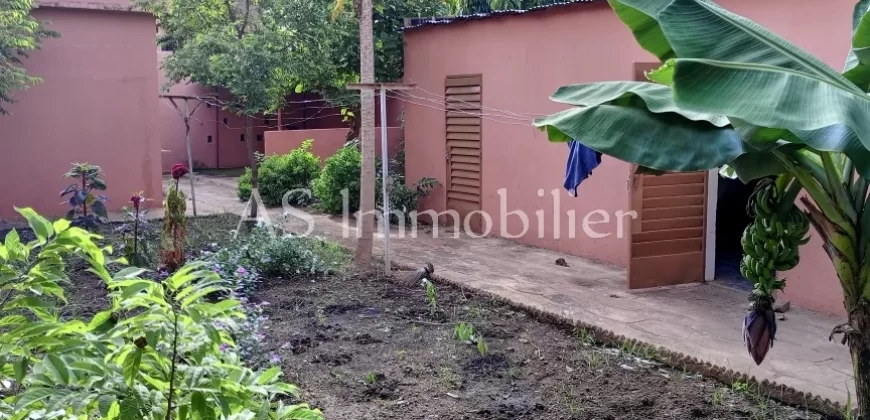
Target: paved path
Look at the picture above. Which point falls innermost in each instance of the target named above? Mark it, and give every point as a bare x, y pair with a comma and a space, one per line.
702, 321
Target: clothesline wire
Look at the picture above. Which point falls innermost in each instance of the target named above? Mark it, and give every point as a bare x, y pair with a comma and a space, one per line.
514, 113
482, 116
465, 111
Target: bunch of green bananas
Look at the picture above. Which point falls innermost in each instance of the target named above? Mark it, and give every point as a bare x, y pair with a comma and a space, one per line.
770, 243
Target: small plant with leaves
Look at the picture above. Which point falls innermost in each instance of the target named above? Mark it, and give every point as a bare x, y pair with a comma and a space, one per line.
174, 235
466, 333
134, 231
87, 208
431, 295
154, 354
371, 378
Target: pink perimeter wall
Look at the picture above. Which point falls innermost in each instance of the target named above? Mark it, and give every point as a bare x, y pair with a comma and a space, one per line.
98, 104
326, 141
523, 59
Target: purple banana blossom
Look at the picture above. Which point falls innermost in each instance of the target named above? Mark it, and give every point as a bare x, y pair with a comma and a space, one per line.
759, 331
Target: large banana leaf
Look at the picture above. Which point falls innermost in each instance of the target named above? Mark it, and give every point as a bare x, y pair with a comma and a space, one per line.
656, 98
701, 29
858, 62
640, 17
665, 141
771, 96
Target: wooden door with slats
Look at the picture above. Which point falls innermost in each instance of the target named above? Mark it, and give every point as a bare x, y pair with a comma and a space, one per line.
668, 241
463, 112
668, 238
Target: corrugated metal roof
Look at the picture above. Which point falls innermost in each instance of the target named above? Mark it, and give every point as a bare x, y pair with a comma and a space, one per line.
412, 23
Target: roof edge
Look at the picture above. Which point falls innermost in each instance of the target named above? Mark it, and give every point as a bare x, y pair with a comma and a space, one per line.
422, 22
116, 6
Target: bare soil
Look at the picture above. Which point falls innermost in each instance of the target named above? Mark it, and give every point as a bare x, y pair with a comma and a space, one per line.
364, 347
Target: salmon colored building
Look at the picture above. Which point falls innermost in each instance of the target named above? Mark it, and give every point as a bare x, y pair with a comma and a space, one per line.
97, 104
502, 68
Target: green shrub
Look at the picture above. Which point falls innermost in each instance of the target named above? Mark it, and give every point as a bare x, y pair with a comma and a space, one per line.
243, 189
279, 174
290, 256
164, 349
341, 171
403, 197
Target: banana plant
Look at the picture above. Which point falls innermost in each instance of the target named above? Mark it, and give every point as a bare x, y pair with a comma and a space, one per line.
731, 94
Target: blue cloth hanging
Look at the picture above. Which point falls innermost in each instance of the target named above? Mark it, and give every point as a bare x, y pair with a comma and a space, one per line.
581, 161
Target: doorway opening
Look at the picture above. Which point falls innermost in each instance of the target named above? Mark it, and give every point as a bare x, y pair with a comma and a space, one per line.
731, 221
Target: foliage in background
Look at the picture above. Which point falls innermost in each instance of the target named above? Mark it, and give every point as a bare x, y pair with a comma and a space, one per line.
403, 197
278, 254
243, 187
161, 351
341, 171
20, 33
470, 7
238, 47
174, 236
87, 209
327, 50
264, 252
280, 174
134, 231
733, 94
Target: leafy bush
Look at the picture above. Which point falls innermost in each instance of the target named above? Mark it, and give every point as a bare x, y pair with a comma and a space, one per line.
403, 197
282, 173
233, 264
160, 351
86, 208
264, 252
244, 188
341, 171
289, 256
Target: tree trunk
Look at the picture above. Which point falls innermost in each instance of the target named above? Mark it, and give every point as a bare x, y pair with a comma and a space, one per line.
252, 159
859, 347
363, 255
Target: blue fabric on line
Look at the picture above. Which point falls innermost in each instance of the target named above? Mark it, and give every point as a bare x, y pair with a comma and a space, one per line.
581, 161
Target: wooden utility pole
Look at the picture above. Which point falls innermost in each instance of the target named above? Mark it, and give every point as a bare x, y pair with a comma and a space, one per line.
363, 255
186, 115
385, 168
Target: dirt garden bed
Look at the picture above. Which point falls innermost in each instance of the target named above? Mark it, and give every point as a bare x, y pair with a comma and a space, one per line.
360, 346
363, 347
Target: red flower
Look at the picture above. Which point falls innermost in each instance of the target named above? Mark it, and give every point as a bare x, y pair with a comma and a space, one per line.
179, 170
137, 199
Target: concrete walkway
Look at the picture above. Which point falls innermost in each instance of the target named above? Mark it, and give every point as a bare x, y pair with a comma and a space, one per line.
703, 321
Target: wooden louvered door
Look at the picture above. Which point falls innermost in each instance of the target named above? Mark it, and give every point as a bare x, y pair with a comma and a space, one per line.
668, 237
463, 104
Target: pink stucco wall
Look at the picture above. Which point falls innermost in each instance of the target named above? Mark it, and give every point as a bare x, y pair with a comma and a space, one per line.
326, 141
98, 104
523, 59
226, 150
